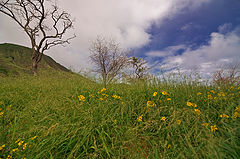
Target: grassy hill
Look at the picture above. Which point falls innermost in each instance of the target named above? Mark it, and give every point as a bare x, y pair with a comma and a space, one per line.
64, 116
16, 59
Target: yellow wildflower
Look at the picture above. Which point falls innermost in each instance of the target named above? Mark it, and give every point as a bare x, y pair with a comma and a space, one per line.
164, 93
103, 89
81, 98
34, 137
13, 150
1, 114
163, 118
139, 119
195, 105
149, 102
101, 99
122, 103
221, 94
1, 147
17, 140
154, 94
237, 109
178, 122
189, 104
212, 91
115, 121
169, 146
197, 111
224, 116
213, 128
239, 87
9, 157
205, 124
116, 97
210, 97
20, 143
199, 93
236, 114
24, 146
168, 99
231, 87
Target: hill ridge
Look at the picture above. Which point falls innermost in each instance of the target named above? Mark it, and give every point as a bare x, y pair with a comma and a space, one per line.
16, 59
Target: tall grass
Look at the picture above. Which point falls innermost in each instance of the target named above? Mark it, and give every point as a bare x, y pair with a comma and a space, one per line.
103, 126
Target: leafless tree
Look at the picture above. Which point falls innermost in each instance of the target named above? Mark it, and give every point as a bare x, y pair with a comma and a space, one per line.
140, 67
108, 57
227, 75
43, 22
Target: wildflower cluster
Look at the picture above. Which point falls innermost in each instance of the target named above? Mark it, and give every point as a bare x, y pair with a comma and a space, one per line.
151, 104
81, 98
116, 97
236, 113
102, 90
224, 116
197, 111
3, 109
199, 93
18, 150
212, 95
212, 128
191, 104
139, 119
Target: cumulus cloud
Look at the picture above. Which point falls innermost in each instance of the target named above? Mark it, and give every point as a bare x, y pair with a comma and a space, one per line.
221, 49
125, 20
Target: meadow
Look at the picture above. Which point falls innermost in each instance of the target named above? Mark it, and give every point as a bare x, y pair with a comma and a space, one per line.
63, 115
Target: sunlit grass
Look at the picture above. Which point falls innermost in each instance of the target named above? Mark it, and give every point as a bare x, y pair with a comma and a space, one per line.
71, 117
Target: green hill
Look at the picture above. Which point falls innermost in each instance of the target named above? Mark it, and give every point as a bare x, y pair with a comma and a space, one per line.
16, 59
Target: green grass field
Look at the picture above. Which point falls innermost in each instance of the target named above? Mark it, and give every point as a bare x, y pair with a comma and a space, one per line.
62, 115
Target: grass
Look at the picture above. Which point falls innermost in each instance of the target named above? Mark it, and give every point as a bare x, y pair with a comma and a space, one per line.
16, 60
103, 126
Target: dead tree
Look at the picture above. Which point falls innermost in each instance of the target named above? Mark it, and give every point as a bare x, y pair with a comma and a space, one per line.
228, 75
108, 57
140, 67
42, 21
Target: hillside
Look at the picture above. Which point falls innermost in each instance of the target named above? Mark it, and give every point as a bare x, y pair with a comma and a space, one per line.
16, 59
65, 116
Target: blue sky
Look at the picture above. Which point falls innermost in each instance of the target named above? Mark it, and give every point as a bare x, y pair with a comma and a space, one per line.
200, 35
192, 28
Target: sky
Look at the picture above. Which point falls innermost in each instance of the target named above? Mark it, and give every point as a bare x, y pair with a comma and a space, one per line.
171, 35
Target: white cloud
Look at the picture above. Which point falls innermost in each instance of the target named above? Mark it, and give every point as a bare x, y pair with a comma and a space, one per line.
221, 49
125, 20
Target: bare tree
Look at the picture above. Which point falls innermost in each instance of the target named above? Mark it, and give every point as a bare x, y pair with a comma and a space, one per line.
140, 67
108, 57
227, 75
42, 21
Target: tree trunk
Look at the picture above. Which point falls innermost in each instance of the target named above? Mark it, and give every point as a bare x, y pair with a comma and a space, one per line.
34, 61
34, 67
